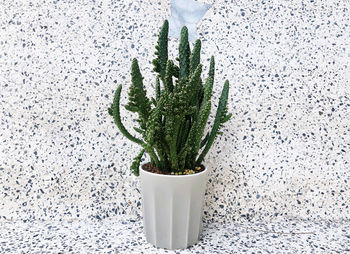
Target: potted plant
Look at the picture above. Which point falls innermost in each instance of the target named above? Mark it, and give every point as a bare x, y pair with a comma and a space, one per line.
172, 127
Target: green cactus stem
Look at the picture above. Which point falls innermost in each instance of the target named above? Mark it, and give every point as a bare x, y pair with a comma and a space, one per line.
220, 118
173, 123
115, 111
135, 166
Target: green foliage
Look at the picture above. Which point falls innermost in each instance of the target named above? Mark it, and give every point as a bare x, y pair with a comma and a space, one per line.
161, 61
172, 125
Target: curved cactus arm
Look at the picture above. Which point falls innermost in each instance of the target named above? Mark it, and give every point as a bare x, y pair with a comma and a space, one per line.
184, 54
219, 118
162, 51
195, 57
115, 110
135, 166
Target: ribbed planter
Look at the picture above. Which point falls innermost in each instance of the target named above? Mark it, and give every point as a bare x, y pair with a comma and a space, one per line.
172, 208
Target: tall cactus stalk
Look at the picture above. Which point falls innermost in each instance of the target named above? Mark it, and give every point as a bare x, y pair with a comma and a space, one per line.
172, 125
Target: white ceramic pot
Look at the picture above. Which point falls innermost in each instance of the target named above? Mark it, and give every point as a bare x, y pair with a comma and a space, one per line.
172, 208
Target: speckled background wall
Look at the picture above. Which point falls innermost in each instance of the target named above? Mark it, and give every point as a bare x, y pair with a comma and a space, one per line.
285, 154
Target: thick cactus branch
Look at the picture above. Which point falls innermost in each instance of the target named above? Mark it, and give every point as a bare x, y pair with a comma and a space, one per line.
204, 113
157, 88
168, 80
154, 127
195, 57
195, 84
115, 110
220, 116
162, 51
184, 54
172, 131
212, 68
138, 101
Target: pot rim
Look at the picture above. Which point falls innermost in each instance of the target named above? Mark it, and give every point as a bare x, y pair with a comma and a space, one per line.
177, 176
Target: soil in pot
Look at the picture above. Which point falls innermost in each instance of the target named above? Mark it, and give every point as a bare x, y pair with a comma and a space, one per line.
149, 168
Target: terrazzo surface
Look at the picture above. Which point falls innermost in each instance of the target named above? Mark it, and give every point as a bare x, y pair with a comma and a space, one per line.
284, 155
126, 236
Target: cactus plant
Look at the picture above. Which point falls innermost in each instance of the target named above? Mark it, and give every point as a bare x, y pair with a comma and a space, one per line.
172, 125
